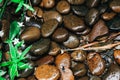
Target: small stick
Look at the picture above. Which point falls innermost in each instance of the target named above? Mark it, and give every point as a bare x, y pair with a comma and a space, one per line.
109, 46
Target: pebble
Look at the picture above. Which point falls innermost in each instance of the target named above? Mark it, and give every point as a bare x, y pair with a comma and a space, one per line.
79, 70
54, 49
31, 78
33, 22
49, 27
95, 78
84, 78
115, 24
44, 60
113, 73
76, 2
72, 41
35, 2
5, 30
99, 29
30, 34
48, 3
38, 12
40, 47
63, 63
108, 15
92, 16
115, 5
117, 56
63, 60
79, 55
74, 23
92, 3
47, 72
63, 7
95, 63
80, 10
60, 35
85, 32
52, 15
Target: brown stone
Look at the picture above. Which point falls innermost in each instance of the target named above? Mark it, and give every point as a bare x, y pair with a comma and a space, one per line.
95, 63
47, 72
99, 29
30, 34
117, 56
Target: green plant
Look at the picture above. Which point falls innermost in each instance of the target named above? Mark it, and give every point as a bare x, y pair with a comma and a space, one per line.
20, 3
17, 57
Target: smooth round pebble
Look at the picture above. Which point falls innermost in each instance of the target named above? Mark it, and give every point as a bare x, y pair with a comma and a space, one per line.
117, 56
95, 63
63, 7
48, 3
40, 47
52, 15
72, 41
79, 55
54, 49
47, 72
49, 27
60, 35
30, 34
79, 70
76, 2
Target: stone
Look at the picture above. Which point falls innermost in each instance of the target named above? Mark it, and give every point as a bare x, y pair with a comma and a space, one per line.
49, 27
95, 63
47, 72
74, 23
30, 34
99, 29
63, 7
40, 47
60, 35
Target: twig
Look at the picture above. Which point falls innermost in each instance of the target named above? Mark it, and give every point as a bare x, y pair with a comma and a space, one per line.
109, 46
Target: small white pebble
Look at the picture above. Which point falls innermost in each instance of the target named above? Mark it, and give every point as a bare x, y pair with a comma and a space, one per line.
20, 24
15, 41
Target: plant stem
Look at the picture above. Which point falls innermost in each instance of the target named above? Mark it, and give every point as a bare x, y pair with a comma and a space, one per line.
3, 9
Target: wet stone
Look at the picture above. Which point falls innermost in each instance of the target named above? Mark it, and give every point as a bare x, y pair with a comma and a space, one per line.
92, 16
85, 32
44, 60
92, 3
79, 55
63, 7
33, 22
72, 41
84, 78
47, 72
31, 78
95, 78
63, 60
115, 24
113, 73
79, 70
76, 2
60, 35
52, 15
117, 56
108, 16
80, 10
49, 27
54, 49
30, 34
99, 29
35, 2
48, 3
74, 23
115, 5
40, 47
95, 63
